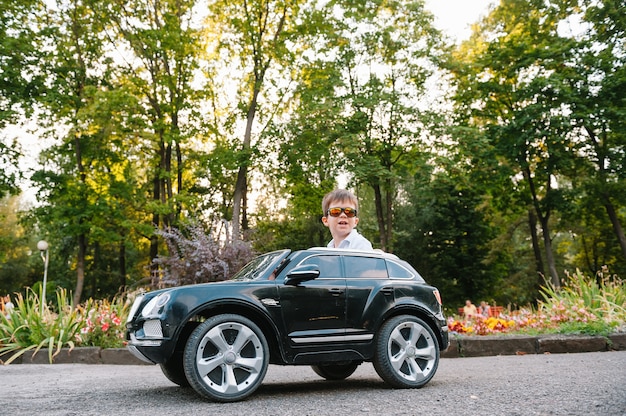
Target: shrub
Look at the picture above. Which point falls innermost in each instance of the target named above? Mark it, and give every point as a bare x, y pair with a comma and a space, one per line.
103, 323
584, 304
196, 257
32, 326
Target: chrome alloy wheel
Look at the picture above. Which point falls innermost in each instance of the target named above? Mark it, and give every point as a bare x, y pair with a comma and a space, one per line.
407, 352
226, 358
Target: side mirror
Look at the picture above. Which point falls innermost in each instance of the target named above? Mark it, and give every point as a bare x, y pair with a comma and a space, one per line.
302, 274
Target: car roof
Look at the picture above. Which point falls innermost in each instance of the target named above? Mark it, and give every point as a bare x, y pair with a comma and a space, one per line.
377, 252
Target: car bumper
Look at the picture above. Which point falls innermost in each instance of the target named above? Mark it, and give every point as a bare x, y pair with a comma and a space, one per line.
135, 352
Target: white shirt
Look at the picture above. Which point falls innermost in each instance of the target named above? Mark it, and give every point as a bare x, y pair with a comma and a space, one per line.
353, 241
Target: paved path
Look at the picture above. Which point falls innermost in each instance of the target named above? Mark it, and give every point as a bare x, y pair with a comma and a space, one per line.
539, 384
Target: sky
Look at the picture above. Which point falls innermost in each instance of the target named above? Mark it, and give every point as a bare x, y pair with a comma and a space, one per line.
454, 17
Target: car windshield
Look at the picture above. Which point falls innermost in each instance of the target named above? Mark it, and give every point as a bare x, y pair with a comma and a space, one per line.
260, 265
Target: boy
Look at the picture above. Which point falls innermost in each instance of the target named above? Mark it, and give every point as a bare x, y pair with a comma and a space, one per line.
339, 208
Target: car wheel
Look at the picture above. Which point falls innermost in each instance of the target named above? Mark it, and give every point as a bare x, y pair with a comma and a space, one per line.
174, 371
226, 358
407, 352
335, 371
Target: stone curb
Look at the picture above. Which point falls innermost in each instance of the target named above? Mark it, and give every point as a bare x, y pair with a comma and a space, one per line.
460, 346
80, 355
482, 346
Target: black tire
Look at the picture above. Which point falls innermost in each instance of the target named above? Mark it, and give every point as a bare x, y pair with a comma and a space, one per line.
226, 358
174, 371
407, 352
335, 371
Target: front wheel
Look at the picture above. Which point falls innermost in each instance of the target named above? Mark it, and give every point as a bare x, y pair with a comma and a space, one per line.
407, 352
226, 358
335, 371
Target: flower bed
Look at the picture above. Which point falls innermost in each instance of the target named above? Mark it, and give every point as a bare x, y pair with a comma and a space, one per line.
583, 305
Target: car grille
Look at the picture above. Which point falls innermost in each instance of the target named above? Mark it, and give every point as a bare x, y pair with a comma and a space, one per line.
152, 329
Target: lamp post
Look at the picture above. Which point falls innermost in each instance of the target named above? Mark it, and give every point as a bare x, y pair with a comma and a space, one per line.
43, 246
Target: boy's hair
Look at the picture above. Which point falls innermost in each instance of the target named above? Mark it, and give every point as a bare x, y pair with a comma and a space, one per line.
340, 195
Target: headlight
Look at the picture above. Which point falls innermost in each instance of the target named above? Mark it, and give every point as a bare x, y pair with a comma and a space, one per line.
134, 308
156, 303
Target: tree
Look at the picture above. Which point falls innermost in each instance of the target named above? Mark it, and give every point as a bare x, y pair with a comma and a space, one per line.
20, 82
75, 72
385, 55
255, 35
307, 162
598, 82
374, 61
17, 267
514, 86
166, 47
445, 232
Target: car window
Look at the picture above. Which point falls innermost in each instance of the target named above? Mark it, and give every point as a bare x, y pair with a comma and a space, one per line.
365, 267
259, 265
330, 266
397, 271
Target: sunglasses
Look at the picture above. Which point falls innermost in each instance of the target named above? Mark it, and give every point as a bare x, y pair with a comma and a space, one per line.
335, 212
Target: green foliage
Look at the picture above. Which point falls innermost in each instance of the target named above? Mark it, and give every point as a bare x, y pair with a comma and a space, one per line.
584, 303
10, 175
446, 236
104, 322
301, 99
33, 326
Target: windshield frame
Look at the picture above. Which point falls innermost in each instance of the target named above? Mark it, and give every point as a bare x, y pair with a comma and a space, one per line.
261, 266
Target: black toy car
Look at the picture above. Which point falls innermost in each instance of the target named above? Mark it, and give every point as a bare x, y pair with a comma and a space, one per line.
330, 309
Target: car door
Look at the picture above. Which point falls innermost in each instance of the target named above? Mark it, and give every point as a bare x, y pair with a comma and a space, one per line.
314, 311
369, 294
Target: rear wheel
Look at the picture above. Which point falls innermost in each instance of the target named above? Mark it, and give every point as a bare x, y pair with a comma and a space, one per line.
226, 358
335, 371
407, 352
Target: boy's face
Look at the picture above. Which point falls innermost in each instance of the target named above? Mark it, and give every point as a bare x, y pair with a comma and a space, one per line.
342, 225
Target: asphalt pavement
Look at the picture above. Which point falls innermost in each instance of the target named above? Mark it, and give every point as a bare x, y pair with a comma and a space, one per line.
530, 384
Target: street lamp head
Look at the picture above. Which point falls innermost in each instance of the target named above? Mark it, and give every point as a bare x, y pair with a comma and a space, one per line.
42, 245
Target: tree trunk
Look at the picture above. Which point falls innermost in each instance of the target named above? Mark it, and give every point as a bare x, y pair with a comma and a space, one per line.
156, 221
617, 226
544, 218
240, 190
380, 216
600, 149
532, 224
241, 187
547, 242
82, 240
122, 264
80, 269
389, 218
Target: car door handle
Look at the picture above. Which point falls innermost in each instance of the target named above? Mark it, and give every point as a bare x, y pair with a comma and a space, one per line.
387, 290
336, 292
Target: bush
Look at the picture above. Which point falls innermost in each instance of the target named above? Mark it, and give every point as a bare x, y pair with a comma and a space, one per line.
32, 326
196, 257
103, 323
